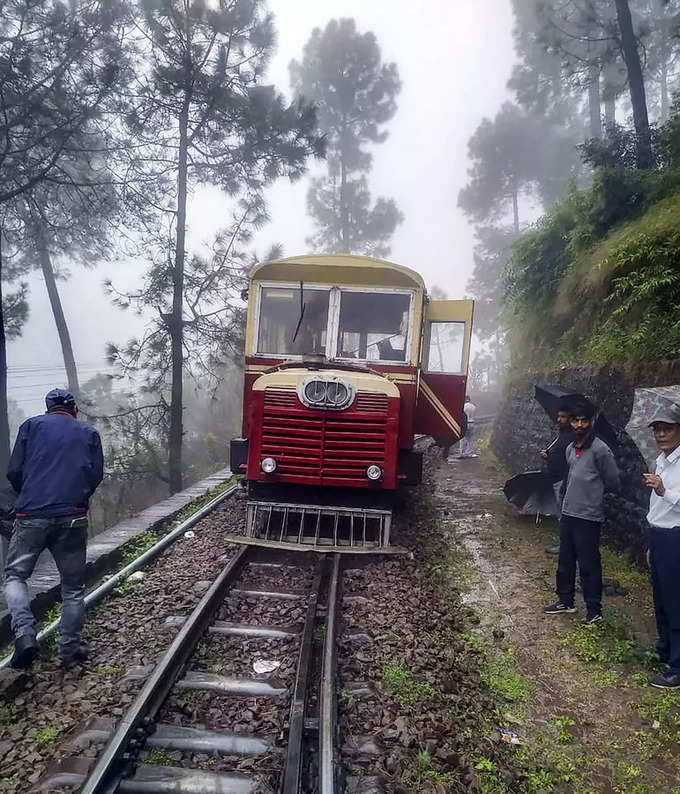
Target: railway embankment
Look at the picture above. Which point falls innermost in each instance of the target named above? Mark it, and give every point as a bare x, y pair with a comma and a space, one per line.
121, 542
46, 705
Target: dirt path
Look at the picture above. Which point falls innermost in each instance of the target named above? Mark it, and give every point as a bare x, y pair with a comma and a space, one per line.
576, 695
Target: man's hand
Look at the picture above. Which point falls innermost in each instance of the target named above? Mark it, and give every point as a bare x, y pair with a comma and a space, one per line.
655, 482
543, 454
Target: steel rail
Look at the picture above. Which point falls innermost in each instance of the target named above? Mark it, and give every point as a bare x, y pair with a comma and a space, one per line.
167, 540
110, 767
298, 707
327, 700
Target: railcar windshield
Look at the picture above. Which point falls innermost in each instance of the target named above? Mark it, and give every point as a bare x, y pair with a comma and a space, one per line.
373, 326
280, 316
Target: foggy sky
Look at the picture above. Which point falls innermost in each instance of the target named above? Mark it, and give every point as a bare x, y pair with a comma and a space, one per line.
454, 59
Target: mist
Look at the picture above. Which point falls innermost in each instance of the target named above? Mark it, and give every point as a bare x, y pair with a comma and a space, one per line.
449, 84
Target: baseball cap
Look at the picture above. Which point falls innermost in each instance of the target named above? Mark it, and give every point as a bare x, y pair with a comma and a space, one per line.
669, 413
64, 397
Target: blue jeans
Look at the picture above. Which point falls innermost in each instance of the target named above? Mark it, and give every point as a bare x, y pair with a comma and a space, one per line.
67, 544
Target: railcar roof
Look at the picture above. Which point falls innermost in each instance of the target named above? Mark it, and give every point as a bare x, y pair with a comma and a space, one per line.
338, 269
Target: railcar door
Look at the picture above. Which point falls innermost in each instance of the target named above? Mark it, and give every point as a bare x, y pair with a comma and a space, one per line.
444, 364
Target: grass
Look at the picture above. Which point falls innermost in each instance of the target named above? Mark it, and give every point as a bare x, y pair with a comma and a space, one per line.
108, 669
46, 736
52, 614
661, 709
137, 546
610, 641
561, 723
487, 772
507, 684
619, 567
191, 699
406, 690
159, 756
422, 770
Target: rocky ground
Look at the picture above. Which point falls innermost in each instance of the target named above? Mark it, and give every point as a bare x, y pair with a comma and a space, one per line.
122, 632
444, 656
428, 720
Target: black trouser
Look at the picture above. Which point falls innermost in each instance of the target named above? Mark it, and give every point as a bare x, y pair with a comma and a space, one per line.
664, 547
580, 543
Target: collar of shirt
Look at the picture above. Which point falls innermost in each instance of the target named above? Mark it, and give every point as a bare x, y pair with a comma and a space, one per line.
664, 460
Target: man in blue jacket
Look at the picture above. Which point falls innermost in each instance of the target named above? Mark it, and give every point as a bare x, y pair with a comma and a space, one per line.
55, 467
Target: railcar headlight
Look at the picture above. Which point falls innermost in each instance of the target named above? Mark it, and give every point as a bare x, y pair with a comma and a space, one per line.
337, 393
315, 392
374, 472
268, 465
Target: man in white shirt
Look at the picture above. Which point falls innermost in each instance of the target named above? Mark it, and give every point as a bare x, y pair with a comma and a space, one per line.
467, 443
664, 542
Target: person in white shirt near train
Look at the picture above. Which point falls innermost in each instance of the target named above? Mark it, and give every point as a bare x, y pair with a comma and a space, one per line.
664, 542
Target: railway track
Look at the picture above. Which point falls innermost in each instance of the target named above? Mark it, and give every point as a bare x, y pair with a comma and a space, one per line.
306, 755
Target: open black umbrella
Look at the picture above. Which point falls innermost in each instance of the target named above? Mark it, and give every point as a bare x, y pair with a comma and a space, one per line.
550, 396
532, 493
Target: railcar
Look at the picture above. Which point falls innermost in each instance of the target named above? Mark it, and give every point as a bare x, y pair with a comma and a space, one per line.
347, 361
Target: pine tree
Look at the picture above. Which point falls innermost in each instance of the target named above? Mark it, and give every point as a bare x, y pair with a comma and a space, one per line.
59, 64
354, 92
200, 116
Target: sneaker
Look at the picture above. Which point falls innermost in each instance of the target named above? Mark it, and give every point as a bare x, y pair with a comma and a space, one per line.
591, 620
552, 549
558, 609
665, 681
25, 651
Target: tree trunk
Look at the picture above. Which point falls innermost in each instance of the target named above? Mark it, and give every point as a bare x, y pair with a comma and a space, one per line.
344, 211
609, 112
664, 57
344, 215
594, 107
636, 84
665, 104
60, 321
176, 323
4, 417
609, 94
515, 210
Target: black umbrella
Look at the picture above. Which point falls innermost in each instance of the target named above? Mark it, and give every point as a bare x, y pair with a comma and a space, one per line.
532, 493
550, 397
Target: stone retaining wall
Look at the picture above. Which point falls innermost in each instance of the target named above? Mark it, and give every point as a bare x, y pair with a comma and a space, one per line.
522, 428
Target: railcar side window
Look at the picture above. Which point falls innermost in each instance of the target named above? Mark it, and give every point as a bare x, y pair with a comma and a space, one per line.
280, 315
373, 325
447, 342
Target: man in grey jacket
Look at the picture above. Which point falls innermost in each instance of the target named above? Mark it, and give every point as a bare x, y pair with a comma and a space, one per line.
592, 470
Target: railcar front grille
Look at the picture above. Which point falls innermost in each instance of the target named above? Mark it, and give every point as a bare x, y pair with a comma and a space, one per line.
329, 445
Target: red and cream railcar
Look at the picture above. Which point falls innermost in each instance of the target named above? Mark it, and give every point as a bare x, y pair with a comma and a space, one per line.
347, 360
